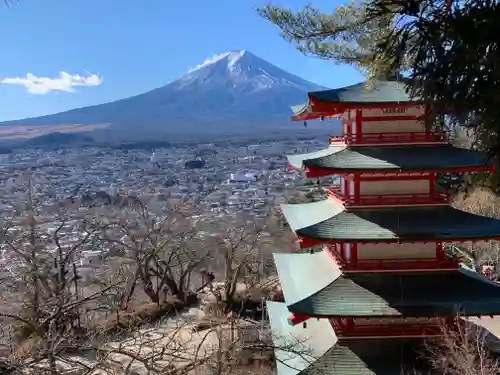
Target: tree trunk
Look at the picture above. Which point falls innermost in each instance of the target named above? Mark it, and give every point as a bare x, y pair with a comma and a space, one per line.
147, 286
128, 297
173, 287
52, 364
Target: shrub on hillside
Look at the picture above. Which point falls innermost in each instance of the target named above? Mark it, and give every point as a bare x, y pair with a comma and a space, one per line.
478, 255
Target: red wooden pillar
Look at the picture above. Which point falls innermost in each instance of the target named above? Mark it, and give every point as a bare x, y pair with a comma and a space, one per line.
359, 122
354, 252
347, 191
440, 251
347, 130
357, 187
432, 184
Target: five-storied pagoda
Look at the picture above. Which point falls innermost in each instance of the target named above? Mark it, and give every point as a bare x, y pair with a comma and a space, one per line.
382, 279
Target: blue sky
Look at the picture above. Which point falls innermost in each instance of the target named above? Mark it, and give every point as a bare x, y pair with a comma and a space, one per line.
133, 46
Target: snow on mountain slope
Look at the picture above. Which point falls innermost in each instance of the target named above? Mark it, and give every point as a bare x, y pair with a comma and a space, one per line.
233, 89
244, 70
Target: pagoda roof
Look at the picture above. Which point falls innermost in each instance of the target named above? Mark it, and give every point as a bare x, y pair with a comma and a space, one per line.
315, 349
362, 94
382, 294
342, 159
394, 356
308, 343
378, 91
328, 220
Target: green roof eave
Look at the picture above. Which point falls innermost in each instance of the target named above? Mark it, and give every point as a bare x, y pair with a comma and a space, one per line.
369, 93
296, 347
391, 224
395, 158
300, 108
304, 215
297, 161
392, 356
295, 272
388, 294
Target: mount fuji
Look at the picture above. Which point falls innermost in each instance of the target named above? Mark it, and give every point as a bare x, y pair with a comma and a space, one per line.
234, 90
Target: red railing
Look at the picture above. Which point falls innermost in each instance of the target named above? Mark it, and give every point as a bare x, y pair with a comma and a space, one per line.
389, 137
334, 193
392, 264
388, 330
388, 199
295, 319
401, 264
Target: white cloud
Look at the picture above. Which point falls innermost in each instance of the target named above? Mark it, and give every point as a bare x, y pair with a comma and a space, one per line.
43, 85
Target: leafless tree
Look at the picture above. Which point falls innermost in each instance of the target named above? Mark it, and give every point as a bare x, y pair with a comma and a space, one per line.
246, 347
44, 298
244, 247
57, 319
480, 254
170, 251
179, 346
462, 350
160, 248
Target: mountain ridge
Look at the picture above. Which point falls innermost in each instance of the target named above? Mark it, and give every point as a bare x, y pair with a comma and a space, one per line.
232, 89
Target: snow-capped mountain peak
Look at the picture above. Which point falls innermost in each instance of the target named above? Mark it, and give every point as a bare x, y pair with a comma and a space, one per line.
242, 69
231, 58
232, 89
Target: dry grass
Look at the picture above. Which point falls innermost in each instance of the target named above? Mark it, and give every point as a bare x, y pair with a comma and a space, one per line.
480, 201
263, 369
484, 202
24, 348
26, 132
136, 316
140, 314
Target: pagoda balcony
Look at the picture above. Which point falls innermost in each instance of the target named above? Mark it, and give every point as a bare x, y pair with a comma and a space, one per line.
346, 328
388, 200
371, 139
449, 262
359, 328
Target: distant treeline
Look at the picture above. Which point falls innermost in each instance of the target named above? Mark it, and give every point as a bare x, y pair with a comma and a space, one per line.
54, 141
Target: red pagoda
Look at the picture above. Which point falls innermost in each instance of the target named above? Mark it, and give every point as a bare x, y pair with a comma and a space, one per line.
382, 279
